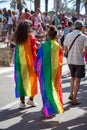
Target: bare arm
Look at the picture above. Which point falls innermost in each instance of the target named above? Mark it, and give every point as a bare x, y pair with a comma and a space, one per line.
65, 45
85, 49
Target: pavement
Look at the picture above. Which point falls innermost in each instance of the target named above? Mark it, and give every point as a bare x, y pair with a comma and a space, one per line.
30, 118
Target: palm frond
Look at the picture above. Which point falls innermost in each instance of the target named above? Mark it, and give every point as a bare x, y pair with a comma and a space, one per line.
31, 1
1, 1
73, 2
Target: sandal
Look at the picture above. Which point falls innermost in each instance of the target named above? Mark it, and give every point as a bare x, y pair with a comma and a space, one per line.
75, 102
70, 97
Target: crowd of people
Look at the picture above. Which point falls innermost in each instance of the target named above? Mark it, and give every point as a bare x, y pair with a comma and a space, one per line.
39, 42
64, 22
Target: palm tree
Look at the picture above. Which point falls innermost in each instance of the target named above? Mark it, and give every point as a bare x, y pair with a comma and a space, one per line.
46, 5
84, 4
57, 5
37, 4
65, 6
19, 4
65, 3
13, 4
86, 7
76, 4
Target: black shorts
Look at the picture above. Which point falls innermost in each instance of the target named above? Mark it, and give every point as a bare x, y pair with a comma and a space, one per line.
77, 70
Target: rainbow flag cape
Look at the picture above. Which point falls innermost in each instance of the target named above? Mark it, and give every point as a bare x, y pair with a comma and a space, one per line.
25, 76
49, 68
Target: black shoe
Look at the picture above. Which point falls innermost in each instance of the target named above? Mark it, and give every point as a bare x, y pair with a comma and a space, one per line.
75, 102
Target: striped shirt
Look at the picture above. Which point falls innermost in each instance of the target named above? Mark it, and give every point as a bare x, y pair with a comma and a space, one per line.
76, 55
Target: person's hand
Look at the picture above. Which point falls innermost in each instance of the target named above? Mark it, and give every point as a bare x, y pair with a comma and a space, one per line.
38, 44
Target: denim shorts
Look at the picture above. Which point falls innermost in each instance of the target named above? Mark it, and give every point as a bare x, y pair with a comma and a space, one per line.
77, 70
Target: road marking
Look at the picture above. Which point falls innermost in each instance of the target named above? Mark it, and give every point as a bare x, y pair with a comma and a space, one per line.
76, 126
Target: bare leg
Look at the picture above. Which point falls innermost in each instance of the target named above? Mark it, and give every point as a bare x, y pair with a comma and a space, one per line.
31, 98
72, 82
76, 88
22, 98
22, 104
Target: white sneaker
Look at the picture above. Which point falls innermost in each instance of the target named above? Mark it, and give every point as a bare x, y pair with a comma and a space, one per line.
22, 105
32, 103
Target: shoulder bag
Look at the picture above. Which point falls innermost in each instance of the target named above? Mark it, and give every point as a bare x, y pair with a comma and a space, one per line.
66, 53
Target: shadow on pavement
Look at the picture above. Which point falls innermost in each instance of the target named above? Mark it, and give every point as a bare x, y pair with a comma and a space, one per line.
31, 118
35, 121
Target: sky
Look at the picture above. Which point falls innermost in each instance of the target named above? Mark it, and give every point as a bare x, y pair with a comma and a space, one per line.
7, 5
30, 6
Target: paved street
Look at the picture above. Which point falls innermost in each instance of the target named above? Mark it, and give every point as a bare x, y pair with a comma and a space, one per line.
12, 118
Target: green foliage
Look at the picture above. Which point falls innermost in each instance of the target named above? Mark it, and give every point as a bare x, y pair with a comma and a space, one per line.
19, 4
52, 12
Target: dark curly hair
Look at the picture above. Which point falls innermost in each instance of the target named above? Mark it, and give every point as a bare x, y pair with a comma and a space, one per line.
52, 32
23, 29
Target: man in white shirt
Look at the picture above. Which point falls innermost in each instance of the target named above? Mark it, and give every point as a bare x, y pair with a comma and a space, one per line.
76, 59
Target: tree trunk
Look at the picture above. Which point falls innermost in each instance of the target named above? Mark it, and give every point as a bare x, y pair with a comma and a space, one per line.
37, 4
46, 5
19, 5
86, 8
78, 7
57, 5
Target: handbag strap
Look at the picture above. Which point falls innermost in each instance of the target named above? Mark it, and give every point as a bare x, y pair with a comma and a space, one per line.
74, 41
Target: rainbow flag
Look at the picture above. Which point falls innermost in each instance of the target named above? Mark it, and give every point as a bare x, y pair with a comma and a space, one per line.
49, 68
25, 76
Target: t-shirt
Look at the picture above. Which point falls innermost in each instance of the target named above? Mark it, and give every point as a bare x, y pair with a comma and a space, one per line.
76, 55
26, 16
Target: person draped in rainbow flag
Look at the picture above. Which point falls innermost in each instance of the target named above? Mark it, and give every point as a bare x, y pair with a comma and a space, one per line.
48, 66
25, 54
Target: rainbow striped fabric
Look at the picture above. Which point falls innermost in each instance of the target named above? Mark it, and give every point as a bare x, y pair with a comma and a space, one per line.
25, 76
49, 68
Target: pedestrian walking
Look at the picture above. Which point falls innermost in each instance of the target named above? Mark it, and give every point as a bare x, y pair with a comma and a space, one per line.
85, 32
75, 58
25, 54
48, 65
